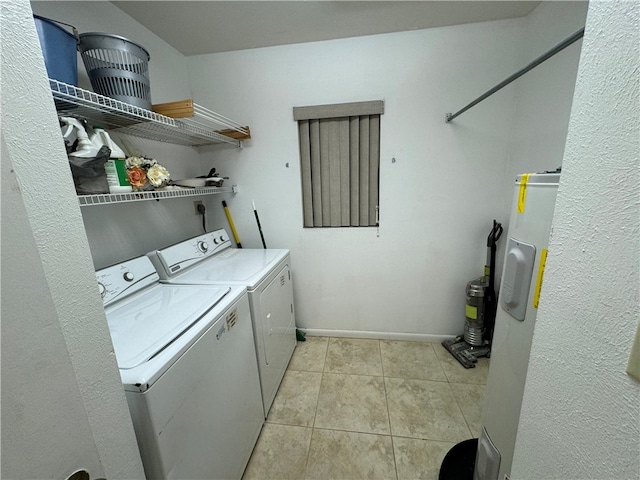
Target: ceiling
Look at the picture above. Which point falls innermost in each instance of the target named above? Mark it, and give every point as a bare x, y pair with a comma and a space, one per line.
201, 27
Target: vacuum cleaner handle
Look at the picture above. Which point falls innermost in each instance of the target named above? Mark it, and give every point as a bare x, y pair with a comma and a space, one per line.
492, 300
495, 234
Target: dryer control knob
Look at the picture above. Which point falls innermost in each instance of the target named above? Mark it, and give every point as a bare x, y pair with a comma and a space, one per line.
128, 276
102, 289
222, 239
203, 246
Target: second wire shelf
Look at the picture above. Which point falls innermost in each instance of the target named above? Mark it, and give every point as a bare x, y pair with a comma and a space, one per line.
168, 192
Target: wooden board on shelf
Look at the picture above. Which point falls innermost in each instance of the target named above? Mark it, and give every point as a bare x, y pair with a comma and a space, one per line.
235, 134
179, 109
185, 109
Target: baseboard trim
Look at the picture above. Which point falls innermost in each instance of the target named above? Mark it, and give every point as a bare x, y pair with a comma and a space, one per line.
410, 337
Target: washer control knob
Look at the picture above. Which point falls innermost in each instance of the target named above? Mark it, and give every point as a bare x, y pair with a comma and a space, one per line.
222, 239
102, 289
128, 276
203, 246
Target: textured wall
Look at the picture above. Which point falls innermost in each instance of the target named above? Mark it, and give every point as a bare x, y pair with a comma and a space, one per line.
63, 406
41, 398
581, 412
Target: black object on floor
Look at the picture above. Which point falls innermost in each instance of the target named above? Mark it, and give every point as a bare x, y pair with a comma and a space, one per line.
463, 352
460, 461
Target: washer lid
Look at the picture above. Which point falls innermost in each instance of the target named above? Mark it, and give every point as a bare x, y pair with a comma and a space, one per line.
233, 266
146, 323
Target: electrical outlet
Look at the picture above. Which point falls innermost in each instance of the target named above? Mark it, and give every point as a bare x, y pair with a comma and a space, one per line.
195, 206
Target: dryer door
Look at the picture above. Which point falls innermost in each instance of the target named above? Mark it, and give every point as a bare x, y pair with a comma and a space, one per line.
278, 326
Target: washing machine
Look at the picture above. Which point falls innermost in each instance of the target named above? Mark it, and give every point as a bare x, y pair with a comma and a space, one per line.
187, 362
209, 259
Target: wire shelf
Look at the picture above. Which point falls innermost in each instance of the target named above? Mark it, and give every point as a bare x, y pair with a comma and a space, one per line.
205, 117
196, 116
168, 192
119, 116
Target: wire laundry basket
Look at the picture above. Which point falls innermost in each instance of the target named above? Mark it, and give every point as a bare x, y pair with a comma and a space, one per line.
117, 67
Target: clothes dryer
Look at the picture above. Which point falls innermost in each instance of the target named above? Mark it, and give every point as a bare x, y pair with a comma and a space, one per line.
266, 273
188, 365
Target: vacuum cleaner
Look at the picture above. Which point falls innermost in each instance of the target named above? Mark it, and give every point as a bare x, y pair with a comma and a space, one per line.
480, 311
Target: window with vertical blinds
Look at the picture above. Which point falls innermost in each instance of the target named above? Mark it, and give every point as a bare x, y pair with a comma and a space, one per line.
340, 163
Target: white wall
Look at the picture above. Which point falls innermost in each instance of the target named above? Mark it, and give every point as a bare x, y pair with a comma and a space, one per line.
544, 94
63, 406
437, 200
167, 66
581, 412
120, 232
40, 393
431, 242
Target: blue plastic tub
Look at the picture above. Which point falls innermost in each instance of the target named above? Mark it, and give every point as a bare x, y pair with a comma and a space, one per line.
59, 50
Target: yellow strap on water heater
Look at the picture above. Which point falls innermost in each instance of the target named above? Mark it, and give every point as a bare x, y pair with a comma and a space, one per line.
522, 194
543, 263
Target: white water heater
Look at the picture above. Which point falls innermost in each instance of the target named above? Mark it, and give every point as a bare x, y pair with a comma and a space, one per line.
526, 248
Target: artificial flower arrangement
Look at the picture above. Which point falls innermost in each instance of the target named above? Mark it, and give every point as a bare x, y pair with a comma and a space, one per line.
146, 173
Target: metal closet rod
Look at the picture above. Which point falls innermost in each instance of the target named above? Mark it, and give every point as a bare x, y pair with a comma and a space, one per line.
545, 56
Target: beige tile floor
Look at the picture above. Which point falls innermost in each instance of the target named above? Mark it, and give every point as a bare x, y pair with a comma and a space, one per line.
368, 409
